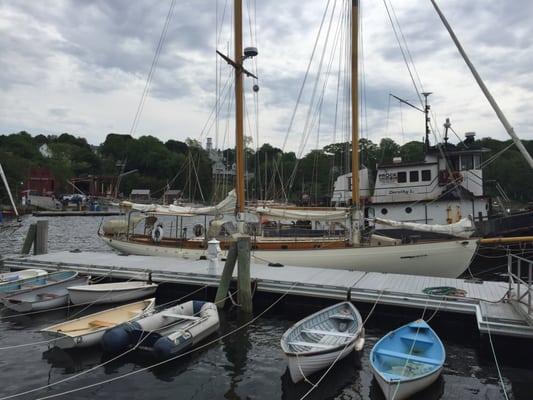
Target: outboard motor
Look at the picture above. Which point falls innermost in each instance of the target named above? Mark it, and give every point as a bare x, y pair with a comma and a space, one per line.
119, 338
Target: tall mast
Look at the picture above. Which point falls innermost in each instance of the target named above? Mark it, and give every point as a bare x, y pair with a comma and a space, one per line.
484, 89
239, 131
355, 103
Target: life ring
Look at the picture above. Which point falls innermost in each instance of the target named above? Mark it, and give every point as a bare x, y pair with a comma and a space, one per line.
157, 234
198, 230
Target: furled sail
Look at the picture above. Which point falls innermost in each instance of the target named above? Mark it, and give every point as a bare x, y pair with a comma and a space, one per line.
333, 215
224, 207
463, 228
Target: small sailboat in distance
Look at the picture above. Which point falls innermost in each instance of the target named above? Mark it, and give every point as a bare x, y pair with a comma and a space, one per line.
407, 360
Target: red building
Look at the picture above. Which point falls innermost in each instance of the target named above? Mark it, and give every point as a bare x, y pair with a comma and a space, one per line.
40, 181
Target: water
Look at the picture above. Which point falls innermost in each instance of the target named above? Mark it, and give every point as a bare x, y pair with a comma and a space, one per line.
245, 365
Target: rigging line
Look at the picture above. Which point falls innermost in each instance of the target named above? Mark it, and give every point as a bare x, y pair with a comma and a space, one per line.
275, 166
312, 116
496, 360
406, 46
155, 61
495, 156
251, 321
403, 53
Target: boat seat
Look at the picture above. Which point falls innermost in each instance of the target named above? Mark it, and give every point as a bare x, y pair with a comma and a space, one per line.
309, 344
101, 324
347, 317
328, 333
410, 357
413, 337
179, 316
47, 295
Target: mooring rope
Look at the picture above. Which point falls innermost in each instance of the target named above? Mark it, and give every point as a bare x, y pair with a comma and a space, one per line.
69, 378
68, 319
341, 352
172, 358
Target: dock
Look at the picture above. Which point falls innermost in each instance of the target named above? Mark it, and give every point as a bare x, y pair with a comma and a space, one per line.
493, 304
60, 213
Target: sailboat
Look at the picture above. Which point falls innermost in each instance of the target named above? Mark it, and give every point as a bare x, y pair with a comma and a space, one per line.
444, 258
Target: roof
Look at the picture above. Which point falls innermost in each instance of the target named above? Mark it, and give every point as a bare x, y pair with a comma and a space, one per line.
172, 192
141, 191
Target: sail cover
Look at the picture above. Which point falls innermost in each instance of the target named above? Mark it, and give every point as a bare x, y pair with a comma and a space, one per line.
225, 206
304, 214
463, 228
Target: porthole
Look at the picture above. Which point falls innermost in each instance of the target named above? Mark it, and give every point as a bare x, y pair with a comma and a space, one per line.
408, 210
384, 211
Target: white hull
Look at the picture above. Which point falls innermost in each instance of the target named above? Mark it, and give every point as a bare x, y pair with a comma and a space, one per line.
447, 259
79, 332
22, 274
110, 292
406, 388
27, 306
304, 366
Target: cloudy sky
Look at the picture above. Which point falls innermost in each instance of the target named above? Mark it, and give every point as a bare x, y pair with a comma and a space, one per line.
81, 66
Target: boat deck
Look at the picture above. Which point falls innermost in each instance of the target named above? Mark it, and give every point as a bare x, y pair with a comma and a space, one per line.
484, 300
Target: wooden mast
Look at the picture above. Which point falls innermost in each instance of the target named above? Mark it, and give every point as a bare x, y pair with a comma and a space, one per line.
355, 216
239, 131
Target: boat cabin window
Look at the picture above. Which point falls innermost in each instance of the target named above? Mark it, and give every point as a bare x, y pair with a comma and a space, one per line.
384, 211
408, 210
413, 176
467, 162
426, 175
402, 177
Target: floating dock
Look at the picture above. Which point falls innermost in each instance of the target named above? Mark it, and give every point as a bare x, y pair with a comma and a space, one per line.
493, 304
60, 213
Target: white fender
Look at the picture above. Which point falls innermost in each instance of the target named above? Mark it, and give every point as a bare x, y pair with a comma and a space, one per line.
157, 234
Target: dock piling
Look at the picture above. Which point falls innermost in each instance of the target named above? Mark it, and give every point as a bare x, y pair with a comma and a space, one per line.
41, 238
30, 238
243, 275
227, 275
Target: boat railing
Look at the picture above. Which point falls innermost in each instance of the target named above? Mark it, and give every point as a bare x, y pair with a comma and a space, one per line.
520, 287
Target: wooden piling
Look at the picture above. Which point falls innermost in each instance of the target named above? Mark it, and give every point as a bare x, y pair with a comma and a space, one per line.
243, 274
227, 276
41, 238
30, 238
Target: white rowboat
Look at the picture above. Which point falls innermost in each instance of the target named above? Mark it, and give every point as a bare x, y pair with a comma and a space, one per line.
316, 342
43, 297
110, 292
88, 331
14, 276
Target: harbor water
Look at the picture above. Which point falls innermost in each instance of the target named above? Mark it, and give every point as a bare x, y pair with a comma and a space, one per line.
247, 364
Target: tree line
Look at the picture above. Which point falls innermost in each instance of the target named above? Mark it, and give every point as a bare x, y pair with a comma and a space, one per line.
187, 166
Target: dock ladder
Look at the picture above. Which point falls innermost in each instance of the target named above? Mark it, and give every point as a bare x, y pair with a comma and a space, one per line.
520, 290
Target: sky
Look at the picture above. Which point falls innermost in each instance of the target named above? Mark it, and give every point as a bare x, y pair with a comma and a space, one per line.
81, 67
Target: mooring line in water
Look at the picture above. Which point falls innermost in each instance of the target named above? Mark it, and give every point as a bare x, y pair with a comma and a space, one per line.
169, 359
139, 342
88, 304
70, 317
496, 360
314, 386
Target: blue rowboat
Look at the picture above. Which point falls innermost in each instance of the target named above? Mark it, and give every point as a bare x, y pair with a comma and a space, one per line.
407, 360
10, 288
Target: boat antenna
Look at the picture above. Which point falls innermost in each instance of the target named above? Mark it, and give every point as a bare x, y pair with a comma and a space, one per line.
447, 125
426, 109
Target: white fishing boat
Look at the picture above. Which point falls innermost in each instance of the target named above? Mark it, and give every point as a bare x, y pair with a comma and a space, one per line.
166, 333
316, 342
43, 297
88, 330
14, 276
116, 292
407, 360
